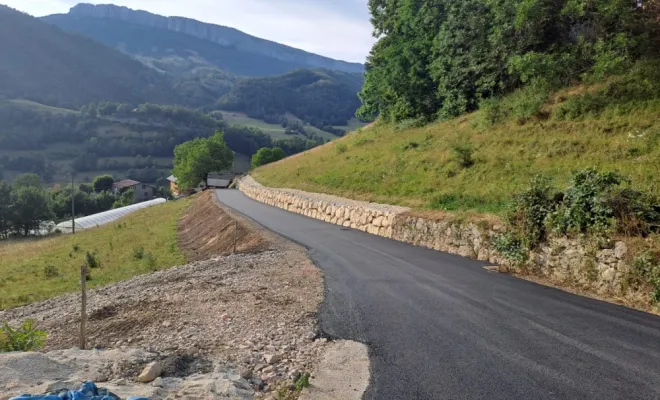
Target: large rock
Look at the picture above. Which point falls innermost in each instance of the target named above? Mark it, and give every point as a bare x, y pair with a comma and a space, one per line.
150, 372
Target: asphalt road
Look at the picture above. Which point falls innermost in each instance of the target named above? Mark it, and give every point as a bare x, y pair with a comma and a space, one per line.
440, 326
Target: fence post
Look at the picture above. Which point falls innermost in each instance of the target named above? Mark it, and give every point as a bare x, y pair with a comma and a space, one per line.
83, 308
235, 234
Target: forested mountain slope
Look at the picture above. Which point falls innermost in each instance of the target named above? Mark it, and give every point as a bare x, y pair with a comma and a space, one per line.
319, 97
43, 63
149, 35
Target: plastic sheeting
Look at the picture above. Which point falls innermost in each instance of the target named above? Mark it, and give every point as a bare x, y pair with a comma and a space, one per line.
92, 221
88, 391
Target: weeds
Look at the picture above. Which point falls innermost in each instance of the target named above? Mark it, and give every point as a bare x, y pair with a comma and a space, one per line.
341, 148
138, 253
510, 246
463, 154
51, 271
92, 261
24, 338
645, 271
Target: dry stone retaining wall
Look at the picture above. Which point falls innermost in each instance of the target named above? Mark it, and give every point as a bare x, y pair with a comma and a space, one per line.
562, 260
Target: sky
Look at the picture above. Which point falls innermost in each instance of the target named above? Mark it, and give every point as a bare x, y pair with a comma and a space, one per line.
334, 28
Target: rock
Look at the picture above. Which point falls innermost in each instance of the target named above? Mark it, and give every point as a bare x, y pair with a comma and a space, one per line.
620, 250
120, 382
272, 358
268, 369
150, 372
378, 222
245, 373
62, 385
158, 382
609, 274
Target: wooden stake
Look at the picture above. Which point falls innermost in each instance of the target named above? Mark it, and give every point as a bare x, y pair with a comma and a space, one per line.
83, 309
235, 234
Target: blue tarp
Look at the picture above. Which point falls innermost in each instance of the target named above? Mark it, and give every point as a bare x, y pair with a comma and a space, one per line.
88, 391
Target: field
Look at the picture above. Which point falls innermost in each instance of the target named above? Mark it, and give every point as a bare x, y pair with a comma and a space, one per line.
38, 269
277, 132
467, 164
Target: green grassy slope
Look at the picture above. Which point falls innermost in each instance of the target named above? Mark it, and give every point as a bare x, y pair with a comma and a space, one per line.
23, 271
611, 126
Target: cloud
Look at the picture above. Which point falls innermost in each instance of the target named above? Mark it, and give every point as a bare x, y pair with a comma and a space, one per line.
334, 28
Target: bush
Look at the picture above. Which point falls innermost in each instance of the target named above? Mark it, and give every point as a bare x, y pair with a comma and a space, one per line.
645, 271
341, 148
138, 253
526, 103
150, 261
92, 261
586, 205
25, 338
510, 246
530, 210
463, 154
492, 111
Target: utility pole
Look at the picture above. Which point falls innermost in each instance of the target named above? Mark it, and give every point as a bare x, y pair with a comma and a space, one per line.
73, 207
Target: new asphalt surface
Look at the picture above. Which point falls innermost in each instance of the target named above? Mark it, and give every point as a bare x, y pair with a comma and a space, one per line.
440, 326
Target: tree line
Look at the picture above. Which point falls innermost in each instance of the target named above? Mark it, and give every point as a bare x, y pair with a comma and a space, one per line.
25, 206
442, 58
109, 129
320, 98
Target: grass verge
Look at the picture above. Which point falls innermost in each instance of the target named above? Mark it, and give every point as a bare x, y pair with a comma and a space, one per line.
38, 269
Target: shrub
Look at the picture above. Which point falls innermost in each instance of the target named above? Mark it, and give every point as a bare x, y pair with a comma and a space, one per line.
526, 103
463, 154
150, 261
530, 210
341, 148
25, 338
138, 253
585, 206
492, 111
302, 382
510, 246
92, 261
645, 271
76, 248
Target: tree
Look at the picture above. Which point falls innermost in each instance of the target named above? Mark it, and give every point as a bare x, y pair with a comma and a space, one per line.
266, 156
102, 183
85, 187
126, 199
27, 180
29, 207
105, 200
5, 209
194, 160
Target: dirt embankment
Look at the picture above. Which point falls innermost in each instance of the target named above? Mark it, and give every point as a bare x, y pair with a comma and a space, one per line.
252, 314
207, 230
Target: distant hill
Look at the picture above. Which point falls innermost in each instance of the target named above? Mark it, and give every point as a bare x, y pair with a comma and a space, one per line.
319, 97
43, 63
178, 45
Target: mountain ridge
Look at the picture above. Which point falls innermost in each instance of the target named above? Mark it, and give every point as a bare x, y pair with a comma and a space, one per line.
222, 35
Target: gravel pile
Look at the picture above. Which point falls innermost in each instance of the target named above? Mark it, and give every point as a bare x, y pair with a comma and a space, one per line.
251, 317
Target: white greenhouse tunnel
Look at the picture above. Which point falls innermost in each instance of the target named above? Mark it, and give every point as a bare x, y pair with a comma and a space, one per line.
92, 221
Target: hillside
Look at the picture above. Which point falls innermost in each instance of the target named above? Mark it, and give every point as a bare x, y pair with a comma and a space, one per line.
127, 142
319, 97
475, 163
43, 63
165, 40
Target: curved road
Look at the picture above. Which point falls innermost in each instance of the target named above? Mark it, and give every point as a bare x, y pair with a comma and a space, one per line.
440, 326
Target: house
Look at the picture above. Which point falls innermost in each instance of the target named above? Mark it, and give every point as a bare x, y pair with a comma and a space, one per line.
219, 181
174, 188
142, 192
